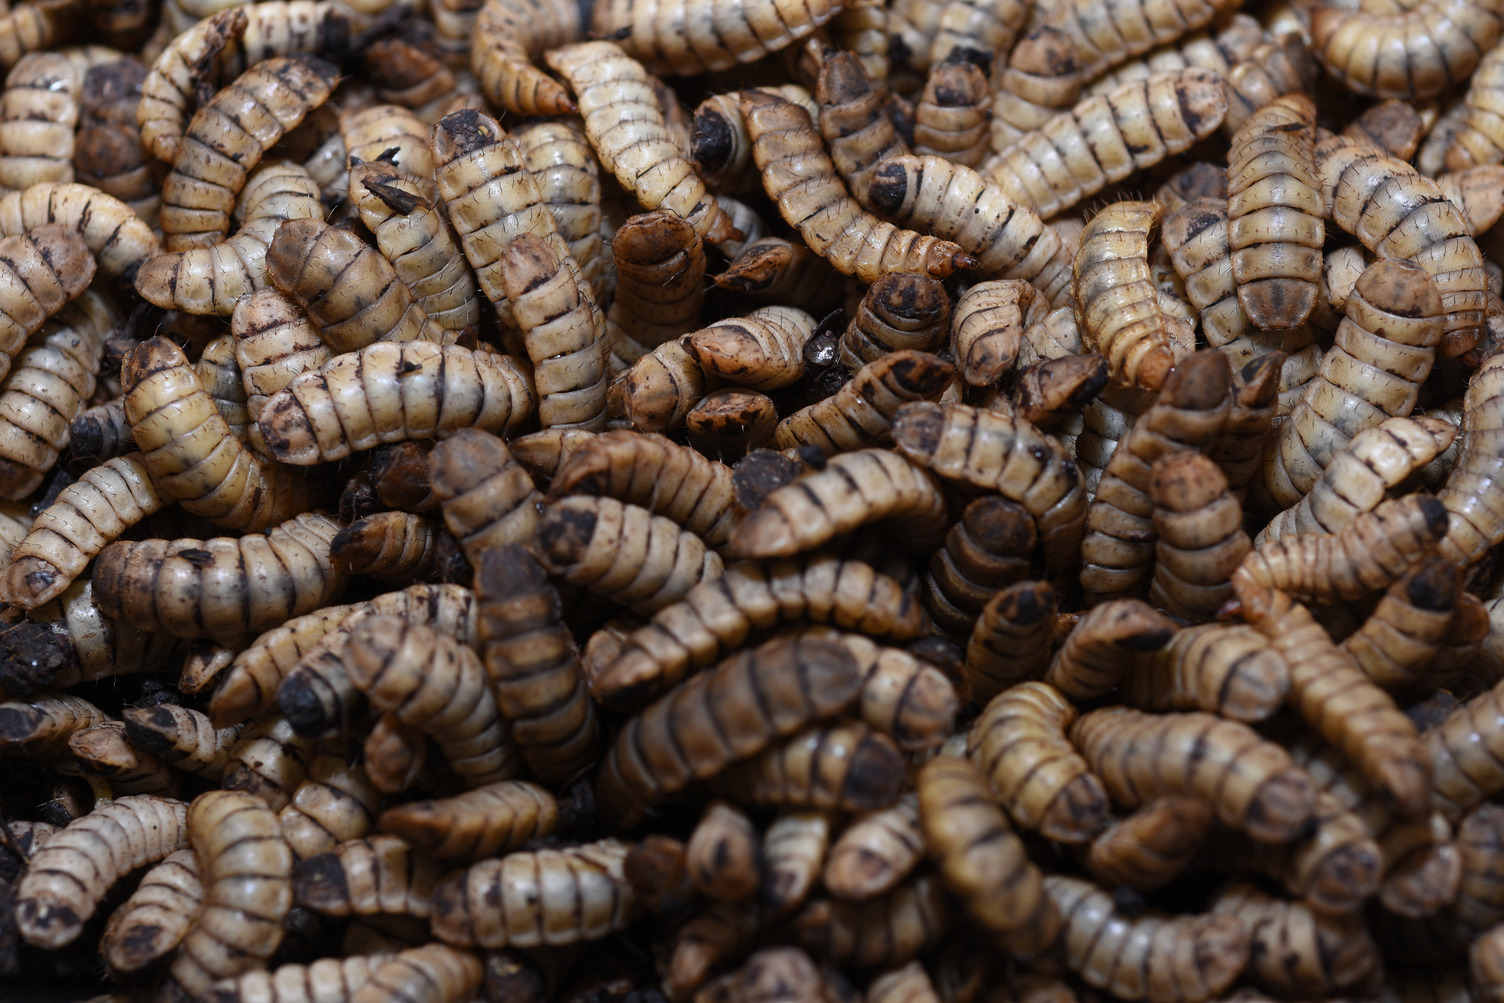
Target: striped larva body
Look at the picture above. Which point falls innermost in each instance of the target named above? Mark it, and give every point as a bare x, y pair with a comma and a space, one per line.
840, 766
802, 182
722, 854
562, 163
679, 40
1105, 138
150, 924
989, 549
181, 737
1275, 211
118, 239
628, 133
1294, 949
1226, 669
952, 116
793, 852
1150, 847
249, 687
860, 414
335, 803
1412, 52
1201, 540
729, 423
486, 497
246, 870
980, 859
987, 332
809, 679
1020, 742
533, 665
485, 822
104, 754
395, 545
417, 240
534, 899
189, 450
1117, 308
1251, 783
660, 283
210, 170
876, 851
39, 113
507, 34
40, 727
391, 392
107, 153
1094, 655
851, 113
434, 972
222, 588
40, 271
437, 685
626, 553
213, 279
902, 311
1476, 523
48, 384
377, 875
880, 932
69, 875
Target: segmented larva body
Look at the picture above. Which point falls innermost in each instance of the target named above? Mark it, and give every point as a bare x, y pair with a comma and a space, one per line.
902, 696
325, 979
980, 858
535, 899
507, 34
224, 588
181, 737
32, 27
417, 240
1226, 669
1188, 414
642, 561
487, 498
1007, 238
1407, 629
213, 279
346, 287
1465, 752
190, 453
1184, 959
117, 238
47, 386
952, 115
721, 148
876, 851
1382, 352
41, 271
1397, 213
763, 350
103, 753
390, 392
274, 341
861, 413
1010, 640
210, 170
1100, 647
1275, 212
485, 822
793, 851
73, 870
1002, 454
1105, 138
153, 921
657, 474
230, 41
629, 135
1360, 476
39, 727
670, 39
1217, 50
248, 687
801, 179
1295, 950
776, 689
854, 489
534, 667
269, 760
394, 545
1477, 521
1106, 37
988, 549
39, 112
435, 684
491, 197
1366, 555
563, 165
434, 972
1020, 742
840, 766
374, 876
660, 283
1413, 52
1201, 540
880, 932
563, 332
987, 331
900, 311
1150, 847
419, 79
335, 803
1117, 307
851, 113
1480, 135
1250, 782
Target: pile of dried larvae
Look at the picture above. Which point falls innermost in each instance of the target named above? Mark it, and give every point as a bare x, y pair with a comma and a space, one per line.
752, 501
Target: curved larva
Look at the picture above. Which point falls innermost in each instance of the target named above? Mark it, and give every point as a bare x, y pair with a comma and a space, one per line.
240, 37
31, 27
801, 179
76, 867
213, 280
1414, 53
674, 38
953, 202
246, 868
390, 392
41, 270
1480, 135
560, 159
119, 239
418, 241
1105, 138
630, 137
506, 37
1471, 494
1108, 35
189, 450
226, 140
47, 386
39, 112
153, 921
221, 588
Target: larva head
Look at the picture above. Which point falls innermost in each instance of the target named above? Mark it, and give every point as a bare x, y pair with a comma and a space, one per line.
653, 237
914, 374
843, 79
1200, 383
463, 132
1433, 583
1185, 482
895, 186
319, 883
761, 263
1002, 527
956, 83
461, 462
908, 301
65, 253
712, 140
152, 356
1395, 286
567, 529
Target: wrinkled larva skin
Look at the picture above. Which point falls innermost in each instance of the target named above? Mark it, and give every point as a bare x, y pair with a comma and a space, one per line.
506, 37
1411, 53
687, 40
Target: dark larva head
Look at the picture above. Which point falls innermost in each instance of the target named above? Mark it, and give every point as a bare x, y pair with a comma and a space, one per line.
1045, 52
462, 132
567, 529
152, 729
48, 924
1000, 526
653, 237
508, 571
918, 428
917, 374
1434, 583
1025, 603
843, 79
711, 139
151, 356
319, 884
1199, 383
875, 774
